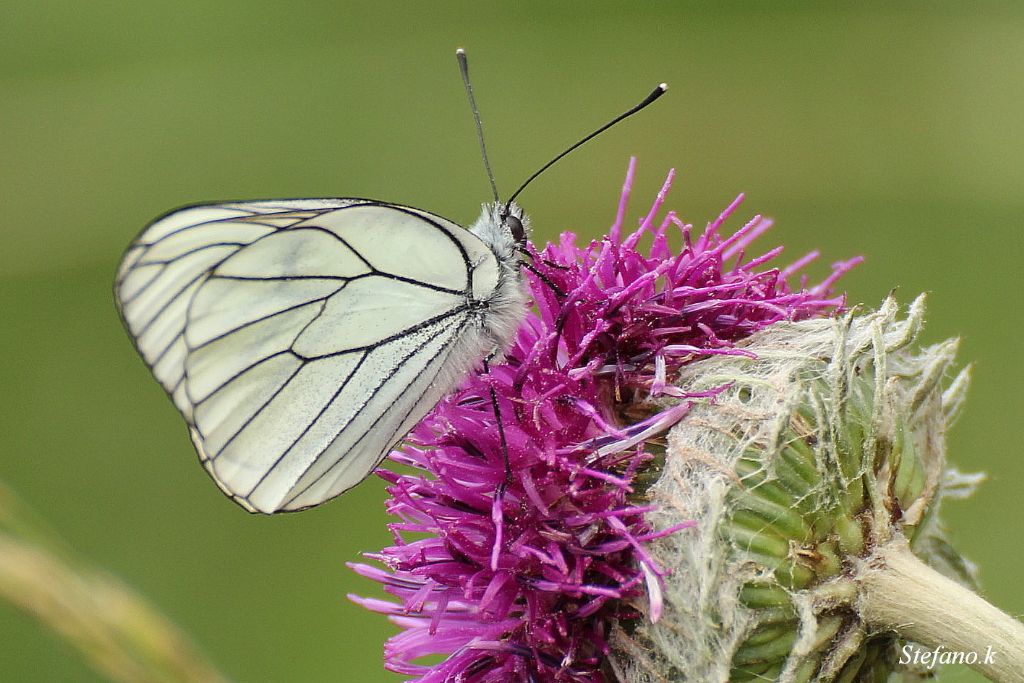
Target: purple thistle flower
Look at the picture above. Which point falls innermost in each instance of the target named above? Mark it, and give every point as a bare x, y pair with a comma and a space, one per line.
518, 580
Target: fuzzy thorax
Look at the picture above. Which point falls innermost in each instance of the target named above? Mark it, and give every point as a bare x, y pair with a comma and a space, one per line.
501, 314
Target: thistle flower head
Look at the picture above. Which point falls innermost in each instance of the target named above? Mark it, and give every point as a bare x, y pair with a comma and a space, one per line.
517, 576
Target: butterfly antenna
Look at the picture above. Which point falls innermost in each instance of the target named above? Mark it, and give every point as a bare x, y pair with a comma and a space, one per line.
655, 94
460, 54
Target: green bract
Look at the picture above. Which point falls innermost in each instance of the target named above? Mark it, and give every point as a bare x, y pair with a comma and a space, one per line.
825, 445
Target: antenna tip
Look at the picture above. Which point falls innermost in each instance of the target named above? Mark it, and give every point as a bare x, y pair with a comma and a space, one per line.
663, 87
460, 51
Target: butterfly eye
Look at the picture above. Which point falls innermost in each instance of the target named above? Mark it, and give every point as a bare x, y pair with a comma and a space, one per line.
516, 227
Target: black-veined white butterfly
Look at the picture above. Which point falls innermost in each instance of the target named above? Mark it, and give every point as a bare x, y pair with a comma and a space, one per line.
301, 339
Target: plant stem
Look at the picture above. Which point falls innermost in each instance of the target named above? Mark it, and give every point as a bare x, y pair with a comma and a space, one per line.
901, 593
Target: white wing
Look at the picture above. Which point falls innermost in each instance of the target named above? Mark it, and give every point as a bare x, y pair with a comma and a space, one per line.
301, 339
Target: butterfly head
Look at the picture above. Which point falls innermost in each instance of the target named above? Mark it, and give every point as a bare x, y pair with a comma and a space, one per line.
515, 221
504, 228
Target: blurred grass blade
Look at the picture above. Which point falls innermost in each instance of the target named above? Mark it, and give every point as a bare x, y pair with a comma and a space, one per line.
119, 633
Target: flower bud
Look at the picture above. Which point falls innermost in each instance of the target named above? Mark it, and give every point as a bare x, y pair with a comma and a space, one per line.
829, 441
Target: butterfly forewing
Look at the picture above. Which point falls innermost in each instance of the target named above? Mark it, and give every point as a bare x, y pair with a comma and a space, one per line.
302, 338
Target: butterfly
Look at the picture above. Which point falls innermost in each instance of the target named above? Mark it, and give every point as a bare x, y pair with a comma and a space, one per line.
302, 339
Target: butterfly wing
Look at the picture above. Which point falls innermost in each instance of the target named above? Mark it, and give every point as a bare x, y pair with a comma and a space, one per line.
302, 339
162, 269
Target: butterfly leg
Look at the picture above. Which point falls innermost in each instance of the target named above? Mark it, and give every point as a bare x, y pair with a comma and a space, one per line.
497, 418
559, 294
498, 506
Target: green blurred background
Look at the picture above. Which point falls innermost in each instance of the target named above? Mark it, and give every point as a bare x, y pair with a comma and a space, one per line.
890, 132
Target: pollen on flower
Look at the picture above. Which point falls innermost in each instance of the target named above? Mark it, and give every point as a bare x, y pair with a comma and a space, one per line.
517, 579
